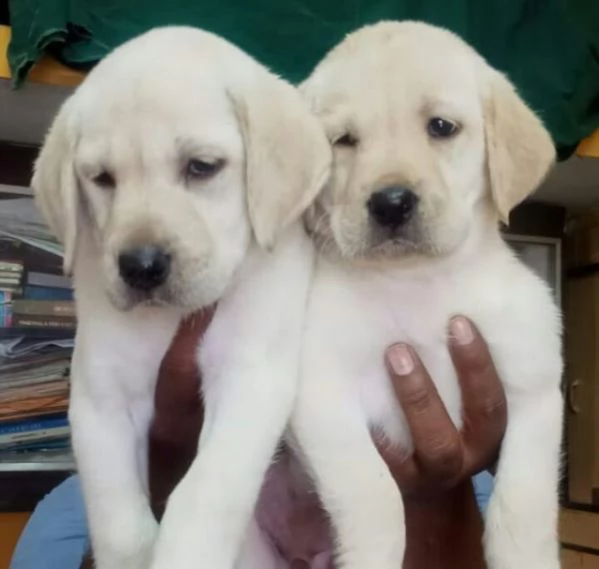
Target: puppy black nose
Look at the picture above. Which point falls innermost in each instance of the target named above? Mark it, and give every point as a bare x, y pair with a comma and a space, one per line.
392, 207
144, 268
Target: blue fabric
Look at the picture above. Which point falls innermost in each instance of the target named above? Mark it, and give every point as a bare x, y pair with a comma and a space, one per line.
56, 535
483, 488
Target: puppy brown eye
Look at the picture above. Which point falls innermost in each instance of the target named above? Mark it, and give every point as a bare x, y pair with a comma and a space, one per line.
203, 169
105, 180
346, 139
441, 128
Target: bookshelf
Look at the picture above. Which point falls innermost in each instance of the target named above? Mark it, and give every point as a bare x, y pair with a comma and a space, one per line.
40, 462
37, 327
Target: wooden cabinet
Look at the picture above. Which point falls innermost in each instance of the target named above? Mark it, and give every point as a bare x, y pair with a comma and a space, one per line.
579, 530
11, 526
581, 341
579, 534
581, 310
572, 559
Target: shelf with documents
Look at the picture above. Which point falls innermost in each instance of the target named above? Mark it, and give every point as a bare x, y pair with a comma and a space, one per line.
39, 462
37, 327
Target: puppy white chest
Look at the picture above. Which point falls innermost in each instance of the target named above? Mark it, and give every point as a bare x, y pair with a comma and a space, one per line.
355, 315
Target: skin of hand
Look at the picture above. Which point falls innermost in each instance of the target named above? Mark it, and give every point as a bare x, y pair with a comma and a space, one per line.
444, 526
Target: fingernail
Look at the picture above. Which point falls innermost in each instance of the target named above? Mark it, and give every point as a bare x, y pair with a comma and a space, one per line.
401, 359
461, 331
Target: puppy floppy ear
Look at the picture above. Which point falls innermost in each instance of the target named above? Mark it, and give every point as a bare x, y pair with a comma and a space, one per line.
520, 151
288, 157
55, 185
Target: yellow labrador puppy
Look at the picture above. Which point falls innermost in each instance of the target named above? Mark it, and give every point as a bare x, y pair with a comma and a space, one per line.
175, 177
432, 147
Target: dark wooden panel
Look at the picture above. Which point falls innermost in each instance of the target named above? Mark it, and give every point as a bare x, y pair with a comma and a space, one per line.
16, 163
21, 491
538, 219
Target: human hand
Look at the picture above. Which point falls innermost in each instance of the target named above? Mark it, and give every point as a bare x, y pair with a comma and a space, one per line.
444, 526
444, 456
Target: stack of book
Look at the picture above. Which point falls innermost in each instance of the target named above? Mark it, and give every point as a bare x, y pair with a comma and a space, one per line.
34, 392
38, 307
37, 326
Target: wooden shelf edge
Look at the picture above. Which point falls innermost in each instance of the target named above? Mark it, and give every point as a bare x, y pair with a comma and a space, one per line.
47, 70
579, 529
589, 147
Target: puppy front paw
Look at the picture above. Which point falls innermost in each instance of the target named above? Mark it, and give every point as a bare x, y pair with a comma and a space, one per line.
126, 544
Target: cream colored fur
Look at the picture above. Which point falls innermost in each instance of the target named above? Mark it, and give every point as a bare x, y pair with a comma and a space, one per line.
171, 96
382, 85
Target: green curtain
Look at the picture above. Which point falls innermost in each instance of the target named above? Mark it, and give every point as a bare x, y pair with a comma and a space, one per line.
549, 48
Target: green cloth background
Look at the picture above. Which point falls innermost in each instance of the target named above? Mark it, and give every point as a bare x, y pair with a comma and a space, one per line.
549, 48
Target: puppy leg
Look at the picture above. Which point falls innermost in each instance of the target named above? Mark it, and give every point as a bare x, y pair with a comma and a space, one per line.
521, 521
113, 376
250, 360
208, 513
352, 479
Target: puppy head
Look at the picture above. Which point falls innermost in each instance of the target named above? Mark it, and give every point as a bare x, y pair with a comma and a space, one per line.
428, 140
175, 153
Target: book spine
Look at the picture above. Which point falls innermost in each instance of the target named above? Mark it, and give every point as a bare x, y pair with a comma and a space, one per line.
43, 445
11, 267
44, 307
5, 309
35, 278
56, 322
47, 293
33, 425
11, 274
38, 435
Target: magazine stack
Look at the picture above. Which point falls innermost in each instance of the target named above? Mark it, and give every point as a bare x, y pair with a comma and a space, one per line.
37, 327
